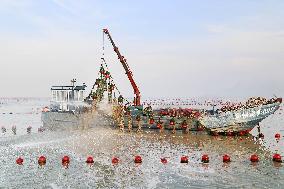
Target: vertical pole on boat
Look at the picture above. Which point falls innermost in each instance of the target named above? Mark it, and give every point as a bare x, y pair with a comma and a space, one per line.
73, 81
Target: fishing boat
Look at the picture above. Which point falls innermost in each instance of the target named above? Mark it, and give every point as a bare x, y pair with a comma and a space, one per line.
69, 107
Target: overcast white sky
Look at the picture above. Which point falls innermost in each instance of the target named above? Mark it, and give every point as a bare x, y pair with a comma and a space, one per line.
177, 48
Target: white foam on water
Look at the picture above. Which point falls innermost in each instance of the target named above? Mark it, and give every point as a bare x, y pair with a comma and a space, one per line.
54, 186
37, 144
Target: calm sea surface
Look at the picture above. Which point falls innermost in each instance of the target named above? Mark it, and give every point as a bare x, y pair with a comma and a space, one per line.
104, 142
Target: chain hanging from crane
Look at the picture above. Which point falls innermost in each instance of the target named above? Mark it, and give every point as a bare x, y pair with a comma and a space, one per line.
105, 83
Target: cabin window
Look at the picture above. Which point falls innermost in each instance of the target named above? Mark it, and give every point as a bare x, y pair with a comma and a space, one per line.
53, 95
57, 96
66, 94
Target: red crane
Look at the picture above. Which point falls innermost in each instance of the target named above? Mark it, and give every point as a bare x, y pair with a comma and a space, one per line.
126, 68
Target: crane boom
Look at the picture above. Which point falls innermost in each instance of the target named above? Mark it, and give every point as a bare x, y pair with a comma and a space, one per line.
126, 68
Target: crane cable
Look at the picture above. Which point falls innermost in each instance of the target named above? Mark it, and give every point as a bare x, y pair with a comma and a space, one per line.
103, 55
107, 68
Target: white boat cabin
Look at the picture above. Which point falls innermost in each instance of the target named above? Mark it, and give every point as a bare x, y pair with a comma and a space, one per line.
66, 98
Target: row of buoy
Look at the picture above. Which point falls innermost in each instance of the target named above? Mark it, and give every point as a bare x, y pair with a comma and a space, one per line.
276, 158
14, 129
138, 159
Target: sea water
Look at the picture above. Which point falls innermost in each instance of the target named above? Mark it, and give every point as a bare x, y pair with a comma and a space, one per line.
104, 142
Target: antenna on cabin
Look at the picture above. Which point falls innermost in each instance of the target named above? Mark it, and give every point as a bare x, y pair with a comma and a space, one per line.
73, 81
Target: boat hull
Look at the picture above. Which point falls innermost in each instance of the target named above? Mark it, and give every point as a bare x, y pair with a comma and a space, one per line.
239, 120
66, 120
193, 124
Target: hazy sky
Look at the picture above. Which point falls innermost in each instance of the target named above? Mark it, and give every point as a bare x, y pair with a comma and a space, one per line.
175, 48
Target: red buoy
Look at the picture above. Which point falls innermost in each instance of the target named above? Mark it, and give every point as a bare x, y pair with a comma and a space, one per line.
20, 161
138, 159
90, 160
184, 159
151, 121
115, 160
226, 158
42, 160
277, 158
164, 160
172, 122
159, 125
277, 136
205, 158
65, 161
254, 158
